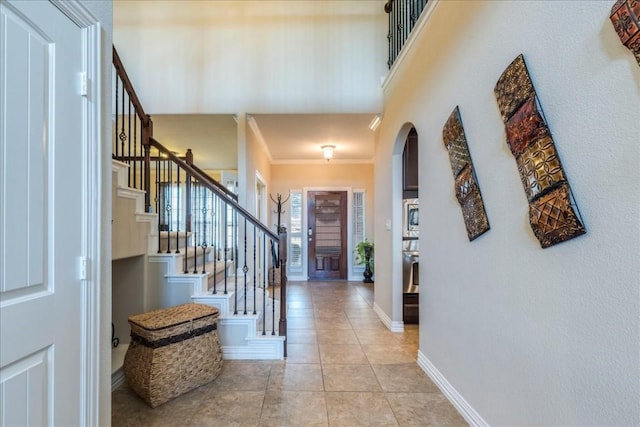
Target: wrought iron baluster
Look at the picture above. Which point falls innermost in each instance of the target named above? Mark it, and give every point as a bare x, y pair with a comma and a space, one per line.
215, 241
115, 128
122, 136
168, 183
255, 268
224, 211
196, 190
178, 212
129, 145
204, 244
264, 284
245, 268
158, 201
135, 150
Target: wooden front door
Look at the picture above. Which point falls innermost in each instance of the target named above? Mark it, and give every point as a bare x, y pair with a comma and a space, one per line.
327, 235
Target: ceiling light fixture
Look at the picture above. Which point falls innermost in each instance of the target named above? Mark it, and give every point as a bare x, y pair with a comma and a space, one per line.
328, 151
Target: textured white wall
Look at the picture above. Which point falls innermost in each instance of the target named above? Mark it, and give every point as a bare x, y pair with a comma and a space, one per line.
253, 56
525, 335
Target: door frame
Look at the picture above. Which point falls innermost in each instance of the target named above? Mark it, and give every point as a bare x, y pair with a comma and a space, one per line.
94, 265
305, 227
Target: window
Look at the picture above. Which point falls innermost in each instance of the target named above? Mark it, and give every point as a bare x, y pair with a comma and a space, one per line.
295, 234
358, 234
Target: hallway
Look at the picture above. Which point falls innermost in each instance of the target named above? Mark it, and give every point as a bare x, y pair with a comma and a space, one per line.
344, 368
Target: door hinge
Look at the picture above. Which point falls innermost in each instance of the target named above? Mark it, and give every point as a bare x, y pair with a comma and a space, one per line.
83, 270
84, 85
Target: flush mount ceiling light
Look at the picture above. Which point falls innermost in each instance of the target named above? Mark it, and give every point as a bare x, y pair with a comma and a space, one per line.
327, 150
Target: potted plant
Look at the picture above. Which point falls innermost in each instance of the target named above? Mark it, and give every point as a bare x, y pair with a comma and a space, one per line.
364, 255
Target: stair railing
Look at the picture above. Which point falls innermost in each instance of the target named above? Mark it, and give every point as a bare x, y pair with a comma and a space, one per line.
198, 215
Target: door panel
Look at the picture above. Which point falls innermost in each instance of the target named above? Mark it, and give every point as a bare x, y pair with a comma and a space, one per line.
327, 234
41, 133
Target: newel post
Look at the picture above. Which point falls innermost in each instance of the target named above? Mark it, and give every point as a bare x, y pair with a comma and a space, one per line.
282, 256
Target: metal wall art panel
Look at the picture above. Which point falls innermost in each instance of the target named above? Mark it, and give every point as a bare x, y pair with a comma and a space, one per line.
456, 143
513, 88
524, 126
551, 206
625, 16
539, 167
552, 217
466, 185
470, 199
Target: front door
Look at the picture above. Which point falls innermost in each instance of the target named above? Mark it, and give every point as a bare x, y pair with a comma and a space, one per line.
41, 216
327, 235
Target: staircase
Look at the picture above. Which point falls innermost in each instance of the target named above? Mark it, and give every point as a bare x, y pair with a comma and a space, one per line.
196, 243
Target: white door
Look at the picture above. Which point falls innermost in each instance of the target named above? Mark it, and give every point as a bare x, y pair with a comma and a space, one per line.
41, 187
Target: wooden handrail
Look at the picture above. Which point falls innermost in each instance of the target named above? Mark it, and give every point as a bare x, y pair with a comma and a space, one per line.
205, 180
216, 183
117, 63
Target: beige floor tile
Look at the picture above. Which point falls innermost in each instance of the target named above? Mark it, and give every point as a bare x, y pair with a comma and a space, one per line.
404, 378
362, 311
229, 408
296, 377
382, 354
241, 376
300, 323
289, 408
323, 324
337, 336
127, 409
349, 378
302, 336
338, 354
303, 353
298, 304
380, 336
352, 409
330, 314
367, 323
424, 409
300, 312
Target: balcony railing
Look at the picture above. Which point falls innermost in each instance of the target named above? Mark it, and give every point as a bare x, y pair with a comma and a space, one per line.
403, 15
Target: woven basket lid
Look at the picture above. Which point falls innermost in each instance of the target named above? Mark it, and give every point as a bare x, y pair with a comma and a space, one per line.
167, 317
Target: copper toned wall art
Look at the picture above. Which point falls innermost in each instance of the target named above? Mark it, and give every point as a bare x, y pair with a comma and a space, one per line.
466, 184
625, 16
551, 206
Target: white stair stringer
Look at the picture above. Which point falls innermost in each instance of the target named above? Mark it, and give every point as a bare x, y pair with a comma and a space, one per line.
241, 334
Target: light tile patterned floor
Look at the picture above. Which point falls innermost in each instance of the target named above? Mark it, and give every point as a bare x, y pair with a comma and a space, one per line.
344, 368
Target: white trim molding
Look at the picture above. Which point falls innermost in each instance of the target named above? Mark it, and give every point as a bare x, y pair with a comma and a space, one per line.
92, 240
456, 399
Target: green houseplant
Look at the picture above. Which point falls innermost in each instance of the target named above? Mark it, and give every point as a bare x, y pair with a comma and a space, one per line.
364, 255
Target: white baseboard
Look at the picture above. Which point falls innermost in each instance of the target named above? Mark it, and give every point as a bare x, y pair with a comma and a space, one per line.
456, 399
394, 326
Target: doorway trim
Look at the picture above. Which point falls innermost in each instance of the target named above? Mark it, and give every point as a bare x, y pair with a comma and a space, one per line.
305, 226
94, 264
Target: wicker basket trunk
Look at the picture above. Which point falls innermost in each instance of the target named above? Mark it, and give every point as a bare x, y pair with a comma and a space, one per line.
172, 351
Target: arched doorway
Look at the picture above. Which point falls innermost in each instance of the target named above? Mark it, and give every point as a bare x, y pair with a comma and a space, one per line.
405, 290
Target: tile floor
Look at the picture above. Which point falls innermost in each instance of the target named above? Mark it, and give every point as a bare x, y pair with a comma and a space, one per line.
344, 368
